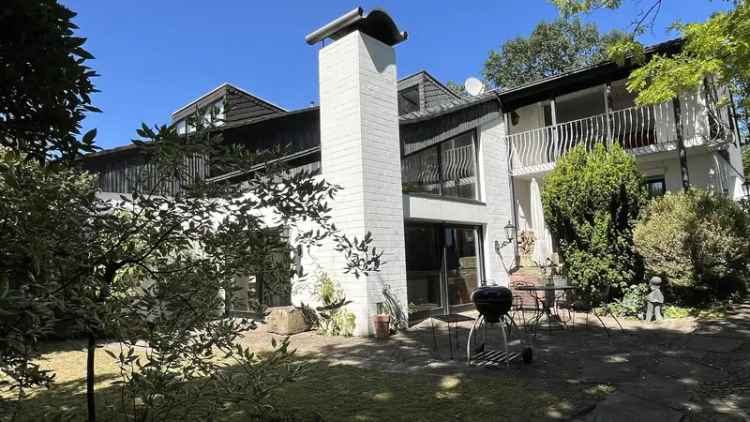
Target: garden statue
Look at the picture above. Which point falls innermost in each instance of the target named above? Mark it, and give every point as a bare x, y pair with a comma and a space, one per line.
654, 300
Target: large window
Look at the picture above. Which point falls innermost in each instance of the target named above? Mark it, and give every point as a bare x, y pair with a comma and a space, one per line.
446, 169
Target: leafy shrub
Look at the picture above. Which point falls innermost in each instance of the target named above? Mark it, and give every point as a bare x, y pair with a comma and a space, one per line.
591, 200
714, 311
699, 242
632, 303
333, 317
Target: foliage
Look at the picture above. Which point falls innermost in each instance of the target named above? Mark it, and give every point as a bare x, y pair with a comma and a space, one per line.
329, 392
165, 384
392, 307
551, 49
714, 311
333, 317
457, 88
632, 303
591, 200
43, 212
717, 50
696, 240
45, 86
145, 268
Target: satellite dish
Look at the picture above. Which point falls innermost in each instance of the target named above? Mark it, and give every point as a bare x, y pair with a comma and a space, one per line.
474, 86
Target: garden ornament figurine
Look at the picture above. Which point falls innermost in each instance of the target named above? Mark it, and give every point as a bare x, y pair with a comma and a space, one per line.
654, 300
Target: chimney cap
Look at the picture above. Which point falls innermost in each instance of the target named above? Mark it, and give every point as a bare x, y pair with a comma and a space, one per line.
377, 24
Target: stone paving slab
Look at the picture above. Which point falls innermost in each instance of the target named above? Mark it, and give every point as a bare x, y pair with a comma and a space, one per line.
662, 390
711, 343
596, 371
686, 371
622, 407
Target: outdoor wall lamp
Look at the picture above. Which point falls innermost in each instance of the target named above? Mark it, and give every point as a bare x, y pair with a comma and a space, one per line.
510, 234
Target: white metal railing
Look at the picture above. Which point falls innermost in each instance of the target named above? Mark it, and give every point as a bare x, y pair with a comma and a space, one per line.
633, 128
423, 173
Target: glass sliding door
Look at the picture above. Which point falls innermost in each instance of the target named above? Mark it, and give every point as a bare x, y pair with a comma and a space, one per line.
462, 265
443, 267
424, 258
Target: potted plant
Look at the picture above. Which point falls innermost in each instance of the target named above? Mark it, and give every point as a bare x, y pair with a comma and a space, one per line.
382, 324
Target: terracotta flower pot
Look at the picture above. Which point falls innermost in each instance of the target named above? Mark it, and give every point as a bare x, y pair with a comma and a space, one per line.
382, 323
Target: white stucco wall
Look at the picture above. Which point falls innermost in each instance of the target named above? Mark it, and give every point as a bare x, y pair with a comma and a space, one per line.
702, 169
529, 117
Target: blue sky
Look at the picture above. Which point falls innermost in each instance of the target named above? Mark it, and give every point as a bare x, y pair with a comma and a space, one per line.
155, 56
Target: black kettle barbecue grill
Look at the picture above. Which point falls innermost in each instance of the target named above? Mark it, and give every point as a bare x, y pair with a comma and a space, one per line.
494, 304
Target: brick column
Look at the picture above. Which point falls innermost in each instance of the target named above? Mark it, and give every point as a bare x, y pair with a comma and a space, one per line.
360, 152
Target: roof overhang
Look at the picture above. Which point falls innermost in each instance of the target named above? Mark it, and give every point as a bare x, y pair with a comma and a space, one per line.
581, 78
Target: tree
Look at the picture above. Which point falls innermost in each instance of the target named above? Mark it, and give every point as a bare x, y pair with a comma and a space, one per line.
150, 266
43, 215
552, 48
715, 55
45, 87
591, 200
457, 88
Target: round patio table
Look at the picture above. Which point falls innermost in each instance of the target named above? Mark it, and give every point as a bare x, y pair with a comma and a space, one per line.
547, 301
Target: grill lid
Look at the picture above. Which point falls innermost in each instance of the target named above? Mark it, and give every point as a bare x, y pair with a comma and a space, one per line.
492, 301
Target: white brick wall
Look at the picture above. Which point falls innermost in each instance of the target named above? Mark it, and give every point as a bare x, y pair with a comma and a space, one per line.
360, 152
495, 185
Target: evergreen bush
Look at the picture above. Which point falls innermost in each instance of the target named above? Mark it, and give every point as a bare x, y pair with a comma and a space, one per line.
591, 201
699, 242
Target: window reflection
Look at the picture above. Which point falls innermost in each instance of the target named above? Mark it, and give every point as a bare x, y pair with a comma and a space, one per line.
446, 169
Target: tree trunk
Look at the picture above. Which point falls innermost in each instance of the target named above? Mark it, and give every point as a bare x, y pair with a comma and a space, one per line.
90, 399
681, 151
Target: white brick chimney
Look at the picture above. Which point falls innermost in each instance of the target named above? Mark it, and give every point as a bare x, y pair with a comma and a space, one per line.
360, 151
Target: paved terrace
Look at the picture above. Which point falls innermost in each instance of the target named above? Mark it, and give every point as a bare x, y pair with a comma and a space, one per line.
672, 370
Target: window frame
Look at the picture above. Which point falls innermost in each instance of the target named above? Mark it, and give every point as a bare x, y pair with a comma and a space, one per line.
474, 132
406, 100
655, 178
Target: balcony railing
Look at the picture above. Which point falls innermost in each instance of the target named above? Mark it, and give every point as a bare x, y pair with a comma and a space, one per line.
639, 129
452, 173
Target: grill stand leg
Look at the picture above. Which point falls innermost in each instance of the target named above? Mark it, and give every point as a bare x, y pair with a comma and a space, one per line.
469, 348
505, 342
434, 336
450, 340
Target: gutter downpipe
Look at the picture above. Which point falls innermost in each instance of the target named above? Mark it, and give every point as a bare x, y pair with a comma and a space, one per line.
513, 211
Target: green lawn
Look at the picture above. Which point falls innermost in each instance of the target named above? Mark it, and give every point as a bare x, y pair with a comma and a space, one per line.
335, 393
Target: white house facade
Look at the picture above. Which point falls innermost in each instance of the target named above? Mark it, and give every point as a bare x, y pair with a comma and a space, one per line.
440, 179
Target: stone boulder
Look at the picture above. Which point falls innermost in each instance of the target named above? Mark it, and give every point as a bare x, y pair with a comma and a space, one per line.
286, 320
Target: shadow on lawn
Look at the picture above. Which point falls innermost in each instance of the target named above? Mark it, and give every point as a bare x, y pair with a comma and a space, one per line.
700, 369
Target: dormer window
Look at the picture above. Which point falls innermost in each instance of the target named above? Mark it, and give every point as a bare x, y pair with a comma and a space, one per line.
211, 114
214, 113
181, 127
408, 100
